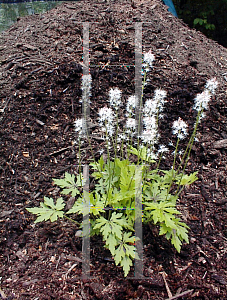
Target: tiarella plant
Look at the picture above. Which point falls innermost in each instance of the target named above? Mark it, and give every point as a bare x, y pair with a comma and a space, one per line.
136, 162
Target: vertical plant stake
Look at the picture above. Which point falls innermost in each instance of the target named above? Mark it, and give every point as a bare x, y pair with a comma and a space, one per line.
133, 157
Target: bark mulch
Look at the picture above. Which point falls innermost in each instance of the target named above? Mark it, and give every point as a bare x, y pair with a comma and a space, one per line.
40, 77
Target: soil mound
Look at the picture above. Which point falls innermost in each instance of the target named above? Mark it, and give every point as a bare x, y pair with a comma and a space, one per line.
40, 77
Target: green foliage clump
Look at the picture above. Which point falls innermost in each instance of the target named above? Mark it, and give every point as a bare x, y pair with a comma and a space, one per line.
208, 16
112, 205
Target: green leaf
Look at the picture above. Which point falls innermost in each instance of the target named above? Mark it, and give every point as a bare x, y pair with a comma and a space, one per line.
188, 179
56, 215
98, 204
119, 254
97, 175
112, 226
125, 252
132, 150
143, 153
68, 184
78, 207
176, 242
111, 242
126, 263
100, 222
196, 21
98, 165
49, 202
168, 221
60, 204
48, 210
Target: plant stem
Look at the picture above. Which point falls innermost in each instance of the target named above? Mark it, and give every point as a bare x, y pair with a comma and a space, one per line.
68, 218
190, 144
173, 168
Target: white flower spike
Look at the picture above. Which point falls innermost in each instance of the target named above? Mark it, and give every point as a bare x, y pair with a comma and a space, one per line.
150, 107
115, 98
202, 100
149, 137
159, 96
180, 128
78, 126
106, 114
131, 124
106, 120
149, 58
150, 123
211, 85
162, 149
131, 105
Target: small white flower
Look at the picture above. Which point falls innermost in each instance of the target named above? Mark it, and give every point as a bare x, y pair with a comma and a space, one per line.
211, 85
131, 105
180, 128
202, 116
121, 136
101, 151
155, 105
78, 126
150, 107
162, 149
202, 100
150, 123
171, 144
149, 58
151, 154
106, 120
115, 97
110, 129
131, 124
159, 97
146, 68
181, 152
149, 136
106, 114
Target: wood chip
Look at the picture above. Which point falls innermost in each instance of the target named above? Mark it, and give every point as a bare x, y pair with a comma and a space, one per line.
220, 144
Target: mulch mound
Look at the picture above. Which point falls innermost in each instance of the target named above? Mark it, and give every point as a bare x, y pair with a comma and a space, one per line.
40, 77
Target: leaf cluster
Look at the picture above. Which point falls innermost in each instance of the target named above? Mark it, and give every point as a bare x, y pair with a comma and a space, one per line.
111, 204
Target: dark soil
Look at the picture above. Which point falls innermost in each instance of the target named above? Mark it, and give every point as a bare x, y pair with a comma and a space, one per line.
40, 79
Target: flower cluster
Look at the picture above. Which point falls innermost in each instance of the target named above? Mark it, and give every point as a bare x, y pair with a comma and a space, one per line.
202, 100
148, 61
106, 120
79, 127
115, 98
152, 112
180, 128
155, 106
131, 106
211, 85
131, 125
201, 103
